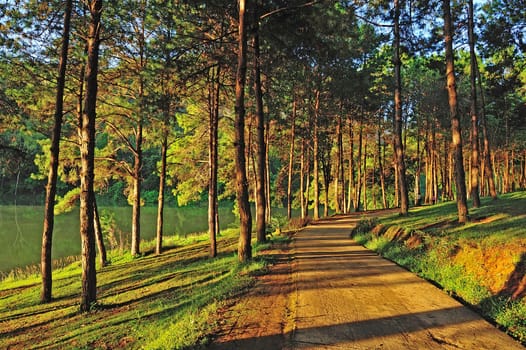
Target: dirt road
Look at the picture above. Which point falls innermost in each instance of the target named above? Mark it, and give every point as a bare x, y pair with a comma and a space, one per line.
343, 296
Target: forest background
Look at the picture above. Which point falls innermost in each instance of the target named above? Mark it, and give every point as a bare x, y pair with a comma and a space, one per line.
321, 123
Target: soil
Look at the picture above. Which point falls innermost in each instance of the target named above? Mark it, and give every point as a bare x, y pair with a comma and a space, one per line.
327, 292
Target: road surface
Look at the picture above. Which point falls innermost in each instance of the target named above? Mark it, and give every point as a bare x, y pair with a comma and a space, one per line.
343, 296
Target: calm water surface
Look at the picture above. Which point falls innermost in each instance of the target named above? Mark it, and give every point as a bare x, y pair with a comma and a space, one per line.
21, 229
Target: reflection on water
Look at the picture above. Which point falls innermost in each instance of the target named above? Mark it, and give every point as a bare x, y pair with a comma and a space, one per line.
21, 229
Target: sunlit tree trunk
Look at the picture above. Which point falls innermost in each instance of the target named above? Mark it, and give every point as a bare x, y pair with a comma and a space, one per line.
245, 216
87, 153
350, 192
364, 180
302, 177
475, 160
460, 181
99, 236
162, 185
358, 187
51, 188
260, 141
315, 158
214, 95
291, 160
137, 180
397, 133
381, 168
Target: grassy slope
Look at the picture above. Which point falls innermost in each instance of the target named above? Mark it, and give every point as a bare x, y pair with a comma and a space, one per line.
482, 262
152, 302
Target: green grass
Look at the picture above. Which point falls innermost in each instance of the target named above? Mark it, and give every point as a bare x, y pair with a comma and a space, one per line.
151, 302
494, 228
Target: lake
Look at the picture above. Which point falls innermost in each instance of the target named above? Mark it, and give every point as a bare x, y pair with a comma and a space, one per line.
21, 229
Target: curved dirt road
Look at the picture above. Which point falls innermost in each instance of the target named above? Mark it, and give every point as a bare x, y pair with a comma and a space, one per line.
343, 296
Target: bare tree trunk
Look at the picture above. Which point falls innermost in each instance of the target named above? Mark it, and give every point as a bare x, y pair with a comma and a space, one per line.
267, 171
339, 165
160, 198
488, 168
475, 161
358, 187
98, 235
350, 193
342, 198
307, 184
291, 160
364, 181
51, 188
87, 155
260, 140
137, 179
245, 216
213, 226
302, 176
381, 169
315, 158
397, 134
460, 178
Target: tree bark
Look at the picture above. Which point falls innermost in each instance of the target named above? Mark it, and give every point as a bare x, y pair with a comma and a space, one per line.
358, 187
51, 188
475, 161
137, 179
489, 174
87, 153
162, 184
260, 140
291, 160
397, 134
460, 176
315, 157
350, 192
98, 235
245, 216
302, 177
213, 160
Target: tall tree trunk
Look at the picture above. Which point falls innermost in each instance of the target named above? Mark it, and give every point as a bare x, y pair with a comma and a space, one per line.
98, 235
488, 168
358, 187
339, 165
475, 161
162, 183
51, 188
245, 216
307, 184
87, 155
364, 180
350, 192
342, 198
291, 160
267, 171
397, 135
460, 177
381, 169
213, 160
418, 195
315, 158
260, 140
137, 179
302, 177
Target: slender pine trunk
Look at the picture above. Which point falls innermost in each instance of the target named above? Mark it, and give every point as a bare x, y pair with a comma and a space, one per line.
460, 177
51, 188
87, 155
245, 216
